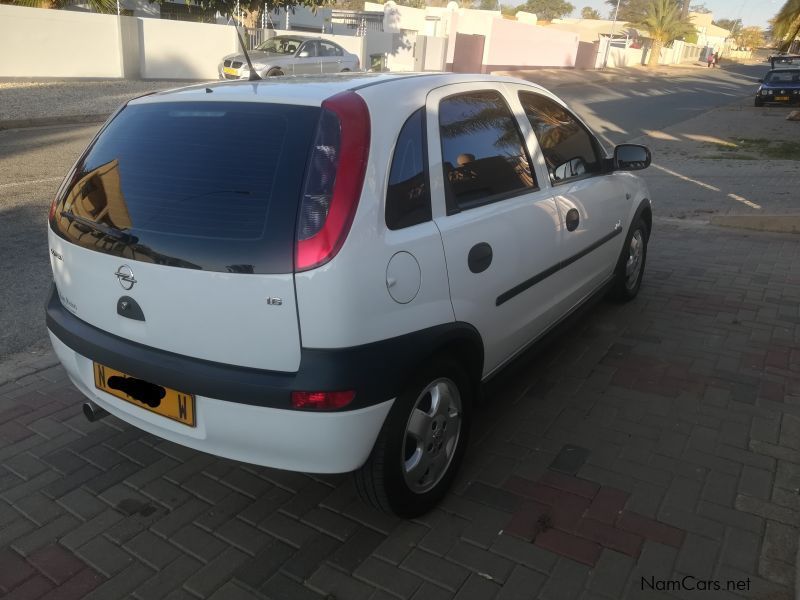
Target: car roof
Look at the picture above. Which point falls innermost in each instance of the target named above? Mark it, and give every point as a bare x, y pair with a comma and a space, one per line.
312, 90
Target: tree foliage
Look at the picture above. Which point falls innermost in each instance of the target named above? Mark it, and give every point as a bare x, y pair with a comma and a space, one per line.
547, 10
587, 12
750, 37
732, 25
664, 22
786, 24
636, 10
101, 6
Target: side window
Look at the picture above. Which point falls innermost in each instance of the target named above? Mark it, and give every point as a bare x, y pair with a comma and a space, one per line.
483, 154
569, 150
311, 48
408, 197
330, 49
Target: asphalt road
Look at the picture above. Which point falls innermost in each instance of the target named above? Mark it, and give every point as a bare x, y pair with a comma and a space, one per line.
32, 162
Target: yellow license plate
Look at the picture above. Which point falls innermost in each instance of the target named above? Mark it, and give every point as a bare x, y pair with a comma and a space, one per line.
229, 71
163, 401
781, 98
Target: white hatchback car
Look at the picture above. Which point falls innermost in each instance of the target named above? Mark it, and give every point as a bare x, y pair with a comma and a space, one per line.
317, 274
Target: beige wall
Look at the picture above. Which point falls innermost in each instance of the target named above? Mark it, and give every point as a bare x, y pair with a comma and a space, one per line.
37, 42
183, 50
514, 44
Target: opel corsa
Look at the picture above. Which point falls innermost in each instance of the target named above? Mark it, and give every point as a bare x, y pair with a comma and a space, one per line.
317, 274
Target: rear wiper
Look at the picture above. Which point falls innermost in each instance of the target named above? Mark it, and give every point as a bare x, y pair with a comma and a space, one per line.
124, 238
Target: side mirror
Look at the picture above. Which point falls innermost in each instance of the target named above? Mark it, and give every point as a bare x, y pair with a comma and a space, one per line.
631, 157
303, 54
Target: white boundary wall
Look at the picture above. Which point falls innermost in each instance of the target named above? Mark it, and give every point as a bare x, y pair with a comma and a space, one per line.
39, 42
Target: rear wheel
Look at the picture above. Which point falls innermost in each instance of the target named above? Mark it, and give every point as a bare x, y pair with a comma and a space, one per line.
630, 267
421, 444
345, 70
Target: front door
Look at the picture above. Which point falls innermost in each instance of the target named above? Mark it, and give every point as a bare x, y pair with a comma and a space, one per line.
592, 204
306, 61
499, 229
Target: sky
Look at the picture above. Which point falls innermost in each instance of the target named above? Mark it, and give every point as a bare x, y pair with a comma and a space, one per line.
751, 12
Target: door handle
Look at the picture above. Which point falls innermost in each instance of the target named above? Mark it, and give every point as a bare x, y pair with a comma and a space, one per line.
572, 219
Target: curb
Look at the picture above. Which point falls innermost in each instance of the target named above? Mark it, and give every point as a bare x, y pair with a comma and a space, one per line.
50, 121
771, 223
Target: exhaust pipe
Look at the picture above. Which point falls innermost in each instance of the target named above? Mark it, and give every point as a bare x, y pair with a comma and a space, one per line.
92, 412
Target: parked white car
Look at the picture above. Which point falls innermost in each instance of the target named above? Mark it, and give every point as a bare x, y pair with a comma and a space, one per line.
289, 55
318, 274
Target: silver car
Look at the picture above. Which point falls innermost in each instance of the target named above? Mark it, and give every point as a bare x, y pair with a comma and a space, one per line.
290, 55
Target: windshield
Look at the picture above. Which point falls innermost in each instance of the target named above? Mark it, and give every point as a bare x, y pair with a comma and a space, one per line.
783, 77
280, 45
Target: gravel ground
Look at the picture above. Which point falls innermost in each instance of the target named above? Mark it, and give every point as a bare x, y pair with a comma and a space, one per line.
21, 100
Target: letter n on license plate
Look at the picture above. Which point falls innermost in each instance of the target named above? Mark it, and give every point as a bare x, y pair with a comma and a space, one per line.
163, 401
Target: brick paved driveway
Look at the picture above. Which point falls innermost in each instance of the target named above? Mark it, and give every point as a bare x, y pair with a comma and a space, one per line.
673, 421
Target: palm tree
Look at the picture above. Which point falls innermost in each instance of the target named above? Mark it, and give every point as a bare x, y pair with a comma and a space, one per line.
664, 22
101, 6
786, 25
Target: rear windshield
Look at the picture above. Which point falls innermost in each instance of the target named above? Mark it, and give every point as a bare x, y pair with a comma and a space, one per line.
204, 185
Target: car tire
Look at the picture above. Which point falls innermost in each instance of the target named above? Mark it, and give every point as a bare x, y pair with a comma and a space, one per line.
421, 444
274, 72
759, 102
345, 71
631, 263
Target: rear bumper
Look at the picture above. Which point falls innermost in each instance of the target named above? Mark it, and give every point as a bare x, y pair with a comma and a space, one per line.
311, 442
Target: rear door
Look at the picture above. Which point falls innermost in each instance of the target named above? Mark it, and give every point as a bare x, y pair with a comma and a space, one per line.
330, 57
499, 229
185, 212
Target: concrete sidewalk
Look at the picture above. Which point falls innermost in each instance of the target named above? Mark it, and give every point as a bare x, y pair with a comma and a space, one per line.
34, 104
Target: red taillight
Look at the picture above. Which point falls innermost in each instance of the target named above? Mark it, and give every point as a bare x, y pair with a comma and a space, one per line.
322, 400
334, 180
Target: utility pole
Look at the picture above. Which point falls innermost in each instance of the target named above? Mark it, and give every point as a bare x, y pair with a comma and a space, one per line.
611, 36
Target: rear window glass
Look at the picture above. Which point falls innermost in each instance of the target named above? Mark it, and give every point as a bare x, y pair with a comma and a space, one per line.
210, 185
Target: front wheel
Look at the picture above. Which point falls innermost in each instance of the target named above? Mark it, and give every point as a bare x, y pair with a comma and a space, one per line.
630, 267
421, 444
759, 102
274, 73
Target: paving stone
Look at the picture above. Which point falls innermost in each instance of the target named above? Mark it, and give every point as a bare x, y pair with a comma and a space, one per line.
280, 587
168, 579
388, 577
166, 525
777, 571
566, 582
246, 483
105, 556
297, 533
151, 471
77, 587
525, 553
607, 505
429, 591
565, 544
731, 517
610, 537
269, 559
522, 584
308, 558
645, 499
480, 561
217, 515
356, 548
683, 494
245, 537
82, 504
767, 510
755, 482
13, 569
197, 542
495, 497
57, 563
151, 550
233, 591
38, 508
688, 521
401, 540
444, 530
610, 574
780, 542
165, 493
328, 580
121, 584
478, 588
650, 529
208, 579
332, 523
39, 483
436, 570
48, 534
33, 587
205, 488
698, 556
90, 529
720, 488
